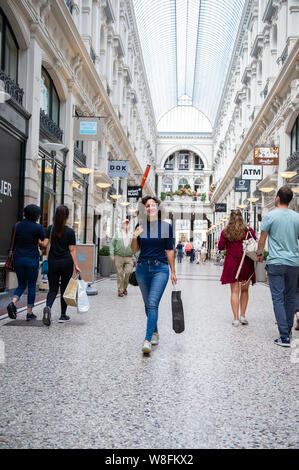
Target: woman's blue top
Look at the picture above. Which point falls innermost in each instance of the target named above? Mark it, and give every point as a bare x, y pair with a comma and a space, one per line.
156, 237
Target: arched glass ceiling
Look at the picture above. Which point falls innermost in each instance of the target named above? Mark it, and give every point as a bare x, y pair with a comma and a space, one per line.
187, 47
184, 119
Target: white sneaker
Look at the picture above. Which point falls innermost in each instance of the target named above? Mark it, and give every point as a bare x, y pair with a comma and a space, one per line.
155, 339
147, 347
243, 321
236, 323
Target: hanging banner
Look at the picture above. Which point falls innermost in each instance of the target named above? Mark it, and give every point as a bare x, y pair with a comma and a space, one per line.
87, 129
134, 191
242, 186
266, 156
145, 175
118, 168
252, 172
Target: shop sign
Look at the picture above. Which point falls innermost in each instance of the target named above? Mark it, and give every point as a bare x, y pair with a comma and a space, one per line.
252, 172
242, 186
118, 169
134, 191
220, 207
266, 156
87, 129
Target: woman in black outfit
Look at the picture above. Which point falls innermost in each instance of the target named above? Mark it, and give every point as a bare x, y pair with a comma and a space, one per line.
62, 259
28, 235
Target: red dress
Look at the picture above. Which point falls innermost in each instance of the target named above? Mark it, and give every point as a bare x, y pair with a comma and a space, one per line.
234, 251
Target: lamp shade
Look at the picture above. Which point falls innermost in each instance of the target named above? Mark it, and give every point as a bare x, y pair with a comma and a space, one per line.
252, 199
84, 171
115, 196
103, 185
288, 174
267, 190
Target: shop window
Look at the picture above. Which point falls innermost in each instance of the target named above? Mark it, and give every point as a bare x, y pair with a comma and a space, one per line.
49, 100
8, 49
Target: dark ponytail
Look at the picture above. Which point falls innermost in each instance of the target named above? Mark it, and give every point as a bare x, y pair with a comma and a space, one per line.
59, 221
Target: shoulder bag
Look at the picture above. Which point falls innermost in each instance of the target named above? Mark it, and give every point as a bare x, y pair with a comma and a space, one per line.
10, 262
249, 249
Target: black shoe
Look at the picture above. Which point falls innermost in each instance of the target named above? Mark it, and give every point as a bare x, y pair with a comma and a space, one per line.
47, 316
30, 316
63, 319
284, 342
12, 311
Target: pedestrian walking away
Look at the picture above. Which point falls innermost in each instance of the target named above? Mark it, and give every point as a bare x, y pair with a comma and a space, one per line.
203, 252
121, 253
62, 260
197, 249
179, 249
154, 238
281, 226
28, 235
231, 240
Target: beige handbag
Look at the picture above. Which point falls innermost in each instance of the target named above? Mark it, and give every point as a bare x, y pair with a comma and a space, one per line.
250, 250
71, 292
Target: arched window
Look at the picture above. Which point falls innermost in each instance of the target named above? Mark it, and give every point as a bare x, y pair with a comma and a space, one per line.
295, 136
49, 100
198, 163
167, 184
8, 49
183, 181
184, 160
198, 185
169, 163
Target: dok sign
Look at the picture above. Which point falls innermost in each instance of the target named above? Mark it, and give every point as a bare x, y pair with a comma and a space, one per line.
118, 169
252, 172
242, 186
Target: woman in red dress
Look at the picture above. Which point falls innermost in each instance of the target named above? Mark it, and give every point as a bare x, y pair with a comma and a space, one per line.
231, 239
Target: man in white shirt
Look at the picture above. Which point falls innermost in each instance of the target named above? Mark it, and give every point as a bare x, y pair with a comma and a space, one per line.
197, 248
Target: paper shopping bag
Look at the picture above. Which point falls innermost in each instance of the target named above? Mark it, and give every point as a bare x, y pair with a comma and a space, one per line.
178, 323
70, 293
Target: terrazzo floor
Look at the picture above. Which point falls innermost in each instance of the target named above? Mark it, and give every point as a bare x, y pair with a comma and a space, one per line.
86, 384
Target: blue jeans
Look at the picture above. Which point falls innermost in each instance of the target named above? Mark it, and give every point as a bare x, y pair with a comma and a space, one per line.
27, 272
180, 256
283, 284
152, 277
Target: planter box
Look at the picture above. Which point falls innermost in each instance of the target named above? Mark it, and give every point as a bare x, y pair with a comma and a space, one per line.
105, 266
113, 267
260, 272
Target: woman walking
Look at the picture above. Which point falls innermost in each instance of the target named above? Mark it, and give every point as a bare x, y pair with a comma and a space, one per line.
28, 233
203, 252
231, 239
154, 239
62, 259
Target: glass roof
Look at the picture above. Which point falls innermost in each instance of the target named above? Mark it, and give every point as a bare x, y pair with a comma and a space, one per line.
187, 46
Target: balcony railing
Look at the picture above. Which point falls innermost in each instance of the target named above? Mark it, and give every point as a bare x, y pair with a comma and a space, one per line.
79, 155
12, 88
183, 167
198, 166
50, 126
293, 161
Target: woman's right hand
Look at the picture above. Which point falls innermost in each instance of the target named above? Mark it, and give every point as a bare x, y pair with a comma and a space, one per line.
138, 232
77, 269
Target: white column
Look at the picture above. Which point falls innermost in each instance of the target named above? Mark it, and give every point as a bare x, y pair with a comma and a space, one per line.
31, 195
69, 142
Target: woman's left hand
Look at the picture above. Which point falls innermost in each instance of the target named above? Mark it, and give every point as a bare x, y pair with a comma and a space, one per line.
173, 278
77, 269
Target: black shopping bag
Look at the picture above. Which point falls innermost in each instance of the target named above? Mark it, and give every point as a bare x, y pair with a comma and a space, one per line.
132, 279
178, 323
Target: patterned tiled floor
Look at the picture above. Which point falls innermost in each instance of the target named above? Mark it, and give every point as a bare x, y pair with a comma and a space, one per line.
86, 384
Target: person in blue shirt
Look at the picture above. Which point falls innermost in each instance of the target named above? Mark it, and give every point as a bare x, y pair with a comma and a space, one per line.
281, 226
26, 257
154, 239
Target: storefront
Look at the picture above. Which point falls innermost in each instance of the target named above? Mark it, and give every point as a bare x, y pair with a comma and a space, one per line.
14, 121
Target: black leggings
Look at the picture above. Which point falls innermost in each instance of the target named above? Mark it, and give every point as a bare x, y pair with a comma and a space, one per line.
59, 269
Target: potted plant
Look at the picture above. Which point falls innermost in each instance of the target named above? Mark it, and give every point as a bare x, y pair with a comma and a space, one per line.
163, 196
260, 270
203, 197
105, 261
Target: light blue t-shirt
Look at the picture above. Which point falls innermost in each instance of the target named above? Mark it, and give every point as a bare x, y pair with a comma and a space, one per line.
282, 226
